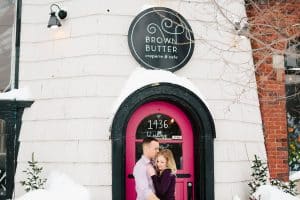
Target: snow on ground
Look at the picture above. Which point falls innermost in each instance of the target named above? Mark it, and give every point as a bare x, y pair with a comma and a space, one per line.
268, 192
16, 94
295, 176
59, 187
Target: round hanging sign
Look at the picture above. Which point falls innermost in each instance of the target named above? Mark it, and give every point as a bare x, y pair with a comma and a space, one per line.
160, 38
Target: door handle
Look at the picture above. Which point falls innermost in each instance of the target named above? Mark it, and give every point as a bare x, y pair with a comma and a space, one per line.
130, 176
190, 190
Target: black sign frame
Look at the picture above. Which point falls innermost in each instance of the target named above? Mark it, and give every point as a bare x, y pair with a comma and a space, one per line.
160, 38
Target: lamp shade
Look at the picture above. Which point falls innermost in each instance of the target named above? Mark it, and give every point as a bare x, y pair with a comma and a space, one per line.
53, 21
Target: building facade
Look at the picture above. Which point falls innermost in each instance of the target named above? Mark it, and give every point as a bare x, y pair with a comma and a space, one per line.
94, 100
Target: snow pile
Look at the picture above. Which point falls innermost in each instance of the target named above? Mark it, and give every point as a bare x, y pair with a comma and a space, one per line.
295, 176
59, 187
236, 197
38, 195
142, 77
268, 192
16, 94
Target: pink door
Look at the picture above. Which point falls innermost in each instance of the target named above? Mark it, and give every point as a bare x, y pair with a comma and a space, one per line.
170, 125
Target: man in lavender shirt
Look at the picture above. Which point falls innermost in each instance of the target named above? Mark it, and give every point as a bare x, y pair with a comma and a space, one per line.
143, 182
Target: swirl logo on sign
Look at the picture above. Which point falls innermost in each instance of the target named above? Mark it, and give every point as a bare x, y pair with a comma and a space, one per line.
160, 38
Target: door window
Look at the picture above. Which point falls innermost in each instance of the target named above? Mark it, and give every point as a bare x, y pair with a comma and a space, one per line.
159, 126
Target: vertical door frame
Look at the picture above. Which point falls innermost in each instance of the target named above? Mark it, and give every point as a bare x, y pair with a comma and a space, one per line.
203, 128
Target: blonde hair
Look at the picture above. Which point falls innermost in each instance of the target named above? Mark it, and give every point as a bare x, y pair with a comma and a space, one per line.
168, 155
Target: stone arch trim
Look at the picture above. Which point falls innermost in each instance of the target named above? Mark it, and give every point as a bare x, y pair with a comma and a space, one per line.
204, 133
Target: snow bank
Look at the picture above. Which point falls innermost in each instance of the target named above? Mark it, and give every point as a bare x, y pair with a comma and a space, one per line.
236, 197
16, 94
268, 192
295, 176
38, 195
58, 187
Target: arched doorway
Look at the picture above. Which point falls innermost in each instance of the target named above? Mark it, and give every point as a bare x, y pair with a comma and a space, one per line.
170, 125
202, 127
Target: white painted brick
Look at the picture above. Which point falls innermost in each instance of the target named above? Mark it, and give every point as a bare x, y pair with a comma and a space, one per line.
238, 131
204, 50
101, 24
251, 113
191, 10
82, 86
56, 151
227, 172
89, 107
66, 151
222, 109
109, 65
201, 69
230, 151
114, 65
256, 149
41, 13
40, 70
113, 44
226, 90
85, 25
83, 107
37, 51
109, 24
28, 52
39, 32
94, 151
61, 130
48, 109
76, 46
91, 8
249, 96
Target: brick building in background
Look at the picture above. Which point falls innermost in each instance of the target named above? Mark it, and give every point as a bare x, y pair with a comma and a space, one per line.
274, 26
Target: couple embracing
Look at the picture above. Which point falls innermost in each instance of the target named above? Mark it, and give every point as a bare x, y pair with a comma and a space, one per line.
154, 173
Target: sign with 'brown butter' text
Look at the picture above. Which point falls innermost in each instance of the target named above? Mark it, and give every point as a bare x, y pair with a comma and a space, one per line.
160, 38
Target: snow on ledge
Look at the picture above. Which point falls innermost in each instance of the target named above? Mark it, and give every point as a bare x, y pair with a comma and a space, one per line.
22, 94
142, 77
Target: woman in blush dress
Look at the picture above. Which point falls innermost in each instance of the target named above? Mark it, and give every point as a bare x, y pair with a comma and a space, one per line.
164, 180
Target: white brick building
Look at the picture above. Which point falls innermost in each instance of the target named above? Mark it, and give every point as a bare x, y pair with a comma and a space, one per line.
77, 72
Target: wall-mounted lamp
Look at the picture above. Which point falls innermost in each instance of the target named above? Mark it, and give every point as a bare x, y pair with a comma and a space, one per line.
54, 21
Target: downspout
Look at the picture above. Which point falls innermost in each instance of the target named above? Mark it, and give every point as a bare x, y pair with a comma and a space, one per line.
17, 46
